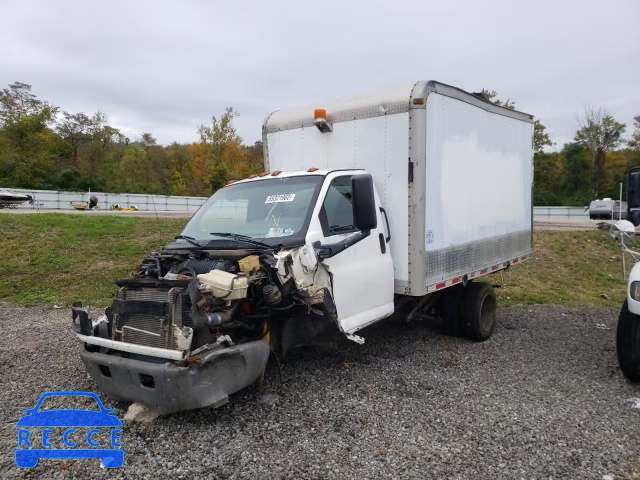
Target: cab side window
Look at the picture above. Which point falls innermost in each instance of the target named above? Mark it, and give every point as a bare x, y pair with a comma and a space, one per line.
336, 215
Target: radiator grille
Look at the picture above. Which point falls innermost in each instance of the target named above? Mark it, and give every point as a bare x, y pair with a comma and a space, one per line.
149, 329
151, 294
145, 330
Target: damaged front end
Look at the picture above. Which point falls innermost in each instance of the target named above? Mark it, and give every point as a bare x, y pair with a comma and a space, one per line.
194, 325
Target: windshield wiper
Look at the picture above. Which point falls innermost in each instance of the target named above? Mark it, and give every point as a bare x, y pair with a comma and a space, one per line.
189, 239
241, 238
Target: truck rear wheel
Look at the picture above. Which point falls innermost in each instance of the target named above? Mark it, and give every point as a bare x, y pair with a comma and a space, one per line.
628, 343
479, 311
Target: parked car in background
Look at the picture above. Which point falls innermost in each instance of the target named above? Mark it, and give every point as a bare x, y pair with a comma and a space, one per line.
607, 209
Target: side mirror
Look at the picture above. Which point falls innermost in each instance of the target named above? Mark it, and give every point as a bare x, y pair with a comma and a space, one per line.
364, 204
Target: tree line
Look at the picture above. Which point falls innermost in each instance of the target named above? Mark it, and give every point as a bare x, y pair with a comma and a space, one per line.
44, 147
590, 167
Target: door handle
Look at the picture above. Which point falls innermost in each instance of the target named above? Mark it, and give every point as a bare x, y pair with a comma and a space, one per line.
383, 245
386, 220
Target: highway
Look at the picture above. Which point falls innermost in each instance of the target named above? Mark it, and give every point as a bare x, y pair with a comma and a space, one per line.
548, 224
139, 213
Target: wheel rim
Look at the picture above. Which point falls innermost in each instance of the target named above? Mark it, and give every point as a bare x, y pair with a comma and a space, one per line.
487, 314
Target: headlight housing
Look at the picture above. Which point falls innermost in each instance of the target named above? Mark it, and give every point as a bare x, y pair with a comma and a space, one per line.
634, 291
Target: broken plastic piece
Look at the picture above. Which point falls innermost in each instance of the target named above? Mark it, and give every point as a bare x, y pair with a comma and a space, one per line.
225, 338
140, 413
183, 337
355, 338
249, 264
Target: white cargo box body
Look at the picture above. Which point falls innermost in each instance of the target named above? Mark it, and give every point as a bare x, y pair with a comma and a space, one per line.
453, 172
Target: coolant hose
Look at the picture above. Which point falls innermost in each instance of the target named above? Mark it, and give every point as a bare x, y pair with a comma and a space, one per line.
217, 318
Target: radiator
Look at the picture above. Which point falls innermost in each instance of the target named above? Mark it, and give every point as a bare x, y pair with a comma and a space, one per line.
151, 329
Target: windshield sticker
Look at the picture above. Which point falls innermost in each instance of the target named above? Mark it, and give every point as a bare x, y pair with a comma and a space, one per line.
283, 197
279, 232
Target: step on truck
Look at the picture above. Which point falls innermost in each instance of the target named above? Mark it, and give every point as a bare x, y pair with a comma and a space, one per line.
402, 201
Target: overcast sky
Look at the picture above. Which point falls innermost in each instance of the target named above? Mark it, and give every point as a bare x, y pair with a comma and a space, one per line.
167, 67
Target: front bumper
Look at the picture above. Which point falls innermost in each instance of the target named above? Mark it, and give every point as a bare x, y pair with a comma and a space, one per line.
166, 387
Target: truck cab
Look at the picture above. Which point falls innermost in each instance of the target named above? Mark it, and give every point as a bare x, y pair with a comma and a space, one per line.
330, 222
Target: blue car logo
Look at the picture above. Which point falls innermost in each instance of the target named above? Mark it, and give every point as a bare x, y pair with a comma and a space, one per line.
32, 447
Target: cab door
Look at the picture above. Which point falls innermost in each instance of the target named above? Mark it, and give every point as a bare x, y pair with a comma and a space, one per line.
362, 274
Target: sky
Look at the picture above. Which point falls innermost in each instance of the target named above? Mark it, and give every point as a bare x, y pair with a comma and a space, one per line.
168, 67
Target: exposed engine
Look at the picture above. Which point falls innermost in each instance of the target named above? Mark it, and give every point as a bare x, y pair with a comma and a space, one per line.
192, 300
191, 326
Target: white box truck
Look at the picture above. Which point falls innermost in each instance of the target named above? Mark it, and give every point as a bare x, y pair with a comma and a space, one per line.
368, 206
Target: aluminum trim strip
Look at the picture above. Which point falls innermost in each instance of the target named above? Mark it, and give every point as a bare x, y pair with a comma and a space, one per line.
458, 260
389, 102
487, 270
133, 348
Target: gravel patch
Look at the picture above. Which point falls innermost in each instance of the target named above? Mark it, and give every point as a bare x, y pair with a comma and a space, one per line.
543, 398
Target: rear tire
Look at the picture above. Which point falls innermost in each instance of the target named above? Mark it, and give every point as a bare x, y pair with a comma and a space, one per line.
628, 343
479, 311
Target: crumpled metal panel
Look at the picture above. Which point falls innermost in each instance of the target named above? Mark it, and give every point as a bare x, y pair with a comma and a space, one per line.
388, 102
446, 263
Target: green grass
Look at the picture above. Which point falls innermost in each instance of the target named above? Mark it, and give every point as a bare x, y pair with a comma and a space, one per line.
59, 258
568, 268
56, 258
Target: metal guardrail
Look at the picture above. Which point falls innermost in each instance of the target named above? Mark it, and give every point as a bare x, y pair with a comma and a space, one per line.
560, 213
53, 199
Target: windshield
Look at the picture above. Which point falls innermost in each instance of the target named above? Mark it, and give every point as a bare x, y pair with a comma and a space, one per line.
262, 209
